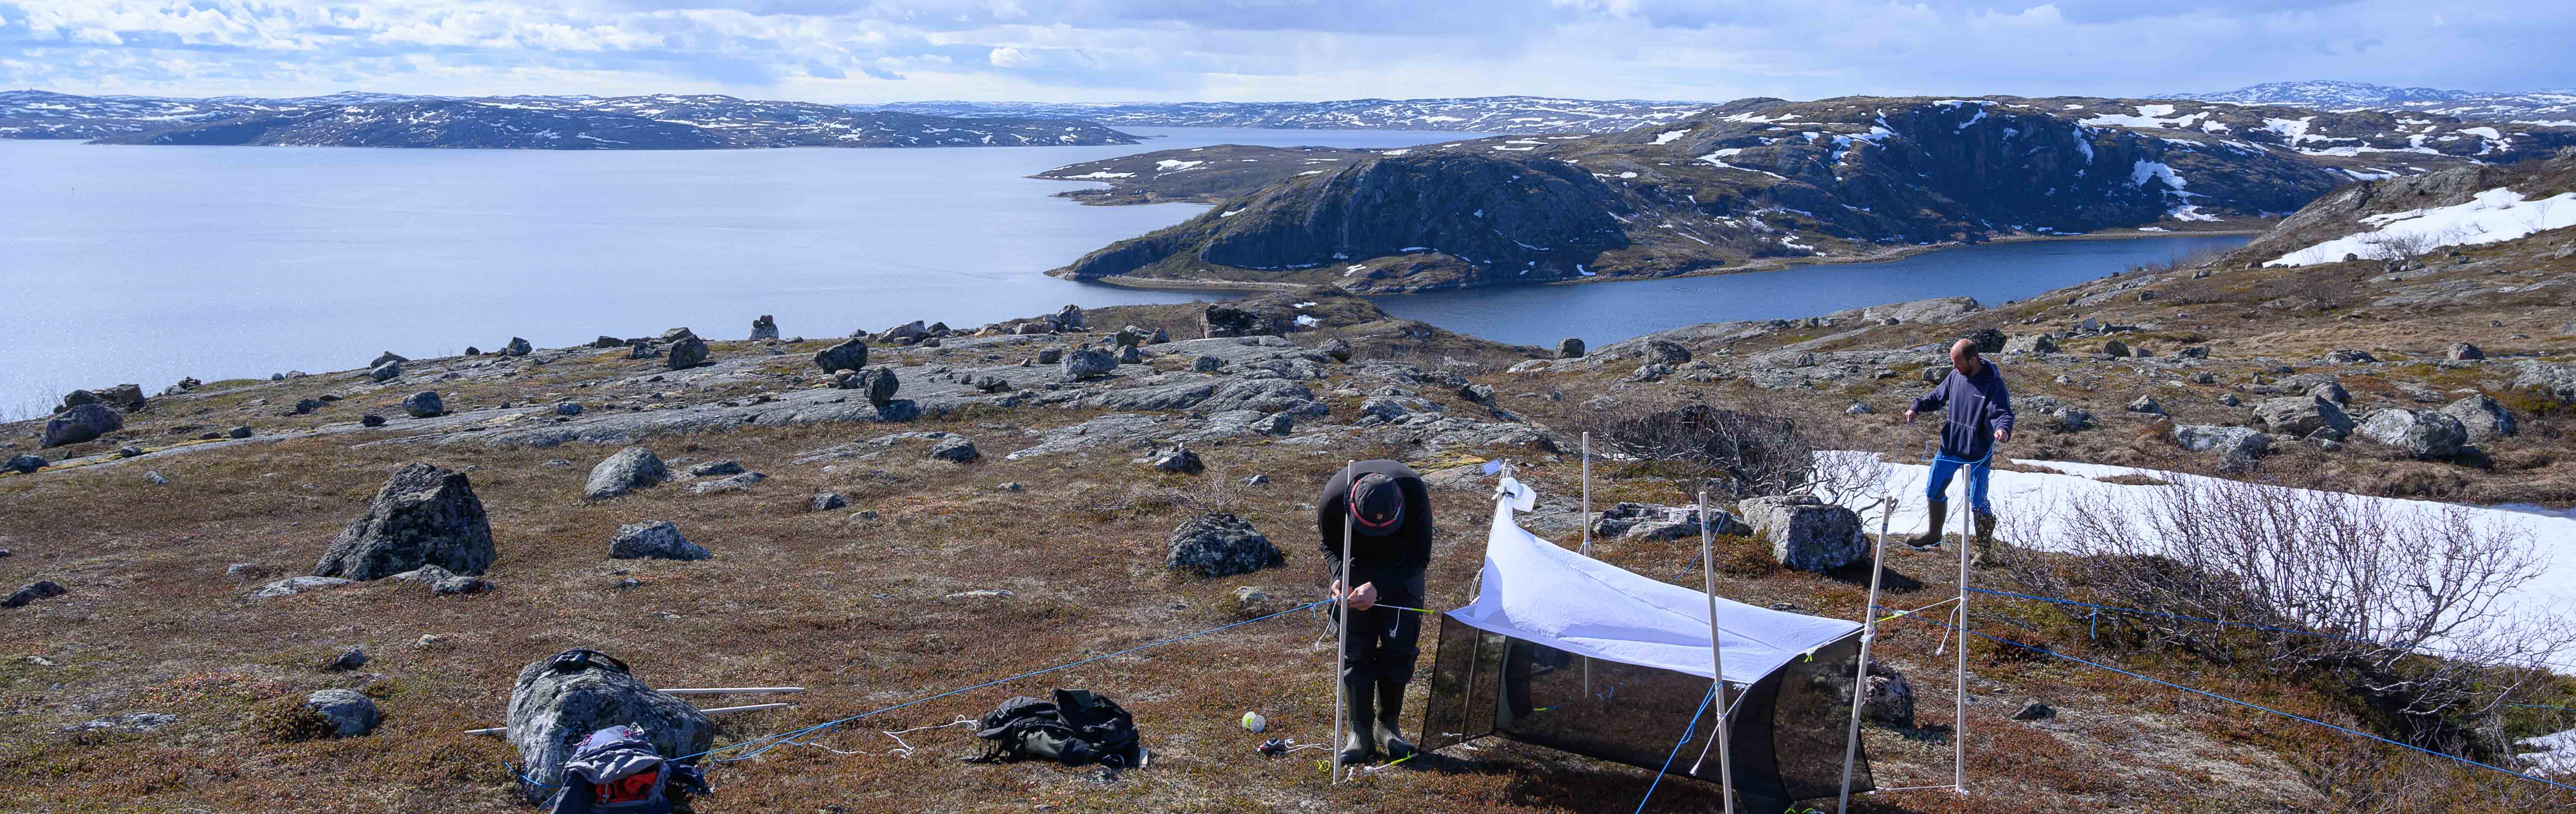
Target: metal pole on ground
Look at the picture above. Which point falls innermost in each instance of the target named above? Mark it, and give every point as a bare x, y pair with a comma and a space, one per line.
1959, 729
1342, 723
1868, 632
1716, 657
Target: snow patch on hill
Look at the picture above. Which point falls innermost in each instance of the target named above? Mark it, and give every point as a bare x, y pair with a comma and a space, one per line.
2492, 216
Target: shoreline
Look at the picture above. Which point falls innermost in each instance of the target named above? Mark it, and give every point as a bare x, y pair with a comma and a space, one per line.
1890, 254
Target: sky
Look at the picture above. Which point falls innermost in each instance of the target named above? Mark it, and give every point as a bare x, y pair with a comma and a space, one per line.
1248, 50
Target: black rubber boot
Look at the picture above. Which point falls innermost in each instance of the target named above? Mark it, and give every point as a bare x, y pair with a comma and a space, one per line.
1986, 556
1358, 703
1931, 537
1390, 708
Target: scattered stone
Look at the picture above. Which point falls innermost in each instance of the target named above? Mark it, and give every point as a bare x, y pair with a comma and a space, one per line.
2033, 710
687, 353
1220, 545
630, 469
2146, 404
2203, 377
1986, 340
81, 423
732, 484
1806, 533
1084, 363
1255, 480
296, 585
473, 351
516, 347
764, 328
40, 589
350, 712
371, 420
307, 406
23, 464
2229, 399
238, 432
1859, 408
387, 356
2193, 352
2031, 343
2424, 434
2302, 416
956, 449
658, 539
1666, 352
2464, 352
1569, 348
568, 409
2115, 348
552, 710
1247, 597
826, 501
850, 355
351, 659
1131, 355
1887, 699
2482, 418
1206, 364
608, 342
1070, 318
385, 372
1049, 356
982, 593
424, 404
712, 468
2206, 437
2347, 356
423, 515
154, 477
1337, 349
1176, 459
1007, 486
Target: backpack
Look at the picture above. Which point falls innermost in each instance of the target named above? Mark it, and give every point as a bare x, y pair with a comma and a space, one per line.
623, 776
1076, 729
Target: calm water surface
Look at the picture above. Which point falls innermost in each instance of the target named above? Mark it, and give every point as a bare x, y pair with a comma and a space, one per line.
147, 264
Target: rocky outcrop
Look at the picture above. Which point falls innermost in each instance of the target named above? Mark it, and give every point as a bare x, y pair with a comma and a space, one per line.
1219, 545
423, 515
552, 710
82, 423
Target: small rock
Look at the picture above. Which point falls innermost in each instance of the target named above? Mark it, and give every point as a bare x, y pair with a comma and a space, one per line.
984, 593
1130, 355
732, 484
764, 328
1337, 349
1248, 597
2424, 434
129, 451
1255, 480
307, 406
2463, 351
850, 355
385, 372
2034, 711
1218, 545
40, 589
1859, 408
657, 539
2145, 404
1176, 459
1666, 352
296, 585
237, 432
23, 464
1049, 356
387, 356
687, 353
826, 501
371, 420
424, 404
568, 408
1206, 364
630, 469
1084, 363
1569, 348
2347, 356
2205, 437
2115, 348
2230, 399
81, 423
350, 712
154, 477
2482, 418
956, 449
516, 347
711, 468
352, 659
1011, 486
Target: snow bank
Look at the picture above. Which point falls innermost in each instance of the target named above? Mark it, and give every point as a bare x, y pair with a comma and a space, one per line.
2494, 215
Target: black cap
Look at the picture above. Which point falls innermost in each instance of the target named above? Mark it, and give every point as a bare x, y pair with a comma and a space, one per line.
1377, 505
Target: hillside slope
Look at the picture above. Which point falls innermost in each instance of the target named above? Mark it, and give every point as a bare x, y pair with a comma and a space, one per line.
1484, 114
1839, 179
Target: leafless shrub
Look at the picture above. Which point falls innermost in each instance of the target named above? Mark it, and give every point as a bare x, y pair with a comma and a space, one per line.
1737, 453
2410, 609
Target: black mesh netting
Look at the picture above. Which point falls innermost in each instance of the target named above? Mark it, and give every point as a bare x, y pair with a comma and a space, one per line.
1787, 732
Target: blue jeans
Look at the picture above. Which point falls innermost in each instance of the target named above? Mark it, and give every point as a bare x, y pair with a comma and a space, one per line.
1944, 467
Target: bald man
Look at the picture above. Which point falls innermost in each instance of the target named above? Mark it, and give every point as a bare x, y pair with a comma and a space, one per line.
1979, 416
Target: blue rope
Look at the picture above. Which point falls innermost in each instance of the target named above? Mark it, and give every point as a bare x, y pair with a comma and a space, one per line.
2249, 704
2289, 630
1687, 733
768, 742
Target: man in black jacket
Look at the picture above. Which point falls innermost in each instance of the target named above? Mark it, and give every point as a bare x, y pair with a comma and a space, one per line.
1387, 506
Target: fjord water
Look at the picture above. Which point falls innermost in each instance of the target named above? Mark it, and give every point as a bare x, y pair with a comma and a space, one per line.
148, 264
1600, 313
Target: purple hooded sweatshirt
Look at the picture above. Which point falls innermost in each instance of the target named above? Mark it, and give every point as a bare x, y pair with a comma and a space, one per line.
1979, 406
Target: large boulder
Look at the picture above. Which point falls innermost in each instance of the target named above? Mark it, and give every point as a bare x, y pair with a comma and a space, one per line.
850, 355
955, 449
77, 398
1806, 534
552, 711
1987, 340
2482, 417
2424, 434
82, 423
687, 353
1666, 352
764, 328
878, 385
1220, 545
1569, 348
1889, 699
1070, 318
516, 347
23, 464
630, 469
2235, 440
1084, 363
424, 515
350, 712
424, 404
913, 330
2302, 416
386, 371
657, 540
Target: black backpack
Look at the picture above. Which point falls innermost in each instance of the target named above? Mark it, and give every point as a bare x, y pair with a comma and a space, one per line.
1076, 729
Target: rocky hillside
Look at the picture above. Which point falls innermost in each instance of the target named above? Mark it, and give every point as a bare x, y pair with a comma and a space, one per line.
1484, 114
1755, 183
526, 122
2547, 107
2399, 218
1205, 175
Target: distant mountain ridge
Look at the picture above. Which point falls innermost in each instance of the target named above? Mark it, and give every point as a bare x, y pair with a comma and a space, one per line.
1483, 114
660, 122
2552, 107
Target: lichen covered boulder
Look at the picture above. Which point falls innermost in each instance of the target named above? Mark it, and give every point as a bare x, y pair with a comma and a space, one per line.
1220, 545
552, 710
423, 515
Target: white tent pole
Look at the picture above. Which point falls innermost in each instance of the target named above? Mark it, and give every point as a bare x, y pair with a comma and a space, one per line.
1587, 540
1342, 610
1868, 631
1959, 729
1716, 658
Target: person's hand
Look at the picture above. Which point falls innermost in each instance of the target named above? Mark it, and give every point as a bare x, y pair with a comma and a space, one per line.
2002, 436
1362, 599
1909, 416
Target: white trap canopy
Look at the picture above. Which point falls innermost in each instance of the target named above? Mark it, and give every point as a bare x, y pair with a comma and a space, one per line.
1535, 591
